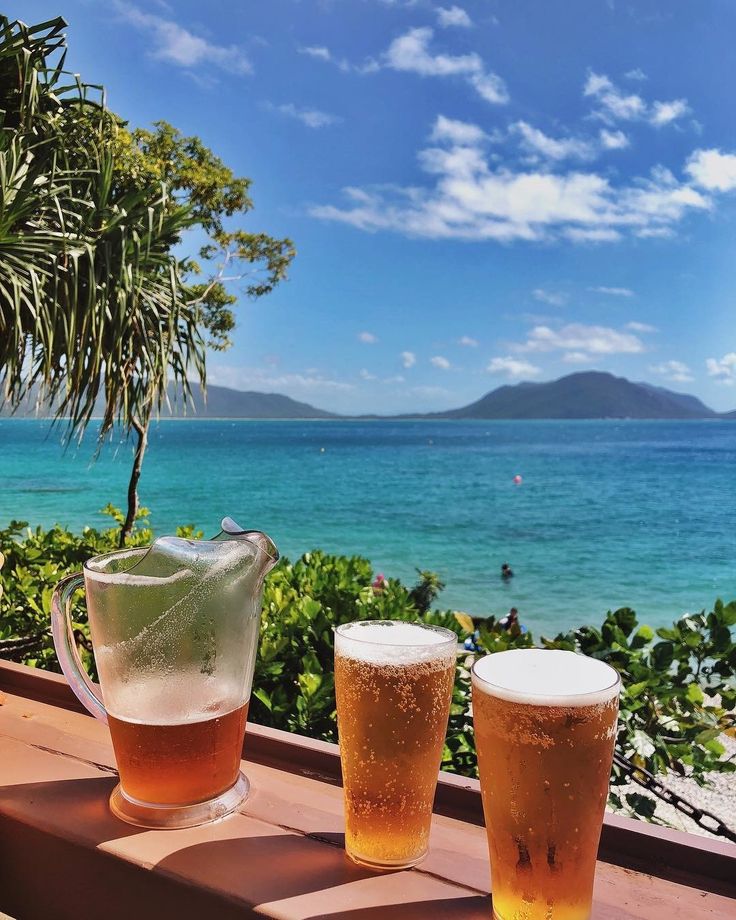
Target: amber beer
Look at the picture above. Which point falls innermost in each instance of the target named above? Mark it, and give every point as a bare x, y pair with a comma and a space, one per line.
545, 727
179, 763
393, 683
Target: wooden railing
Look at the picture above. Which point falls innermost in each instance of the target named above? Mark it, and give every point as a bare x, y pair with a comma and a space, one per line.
63, 855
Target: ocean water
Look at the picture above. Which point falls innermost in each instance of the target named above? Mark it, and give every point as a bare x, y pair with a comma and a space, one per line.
609, 513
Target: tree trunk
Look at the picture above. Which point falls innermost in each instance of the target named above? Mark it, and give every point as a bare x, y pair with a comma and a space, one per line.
141, 430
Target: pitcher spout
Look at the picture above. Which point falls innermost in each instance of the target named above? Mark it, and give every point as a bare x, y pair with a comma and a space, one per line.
269, 555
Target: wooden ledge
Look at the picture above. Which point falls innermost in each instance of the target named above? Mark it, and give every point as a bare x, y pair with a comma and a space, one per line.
63, 855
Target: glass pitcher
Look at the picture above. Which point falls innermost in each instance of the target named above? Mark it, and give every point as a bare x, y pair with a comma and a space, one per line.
174, 630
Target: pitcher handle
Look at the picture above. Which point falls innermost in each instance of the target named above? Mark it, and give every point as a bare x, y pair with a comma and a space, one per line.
66, 647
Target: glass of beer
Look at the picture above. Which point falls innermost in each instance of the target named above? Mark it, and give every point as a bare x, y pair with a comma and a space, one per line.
545, 727
393, 683
174, 630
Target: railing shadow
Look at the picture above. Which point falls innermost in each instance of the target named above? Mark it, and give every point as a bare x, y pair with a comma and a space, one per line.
473, 907
273, 867
70, 803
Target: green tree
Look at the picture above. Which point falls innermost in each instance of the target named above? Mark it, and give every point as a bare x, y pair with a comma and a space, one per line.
94, 303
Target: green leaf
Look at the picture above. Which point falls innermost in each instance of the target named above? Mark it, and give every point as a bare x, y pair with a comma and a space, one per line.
663, 655
642, 637
625, 619
633, 690
721, 638
715, 747
728, 614
708, 735
641, 805
695, 694
261, 695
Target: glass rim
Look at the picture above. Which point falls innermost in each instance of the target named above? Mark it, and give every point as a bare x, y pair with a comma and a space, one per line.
343, 631
121, 552
141, 551
534, 697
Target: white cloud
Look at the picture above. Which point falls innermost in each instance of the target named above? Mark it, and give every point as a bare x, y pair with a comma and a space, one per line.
613, 140
576, 357
713, 170
640, 327
614, 104
613, 291
366, 375
410, 53
367, 338
316, 51
513, 367
312, 118
177, 45
723, 369
453, 16
665, 112
636, 74
461, 133
673, 370
471, 197
617, 105
468, 341
321, 53
592, 234
490, 87
553, 148
408, 359
442, 363
554, 298
596, 340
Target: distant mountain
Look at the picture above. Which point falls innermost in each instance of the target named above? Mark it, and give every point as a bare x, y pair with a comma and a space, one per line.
692, 403
591, 394
222, 402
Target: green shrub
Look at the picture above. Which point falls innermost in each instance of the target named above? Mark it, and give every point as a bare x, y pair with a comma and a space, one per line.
679, 692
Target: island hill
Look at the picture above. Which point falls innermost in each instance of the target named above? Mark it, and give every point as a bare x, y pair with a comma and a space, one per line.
586, 395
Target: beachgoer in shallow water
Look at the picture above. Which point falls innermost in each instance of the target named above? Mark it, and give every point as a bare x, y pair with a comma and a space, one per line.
506, 572
510, 620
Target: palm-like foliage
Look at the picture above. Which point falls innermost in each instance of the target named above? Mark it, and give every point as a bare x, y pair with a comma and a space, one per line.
90, 298
93, 306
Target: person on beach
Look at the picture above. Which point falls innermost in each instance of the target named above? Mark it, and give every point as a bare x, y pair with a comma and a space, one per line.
506, 572
510, 620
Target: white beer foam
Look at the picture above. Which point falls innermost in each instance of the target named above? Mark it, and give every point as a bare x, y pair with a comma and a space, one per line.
394, 642
546, 677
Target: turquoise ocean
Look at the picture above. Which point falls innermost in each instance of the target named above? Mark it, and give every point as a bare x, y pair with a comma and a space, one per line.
609, 513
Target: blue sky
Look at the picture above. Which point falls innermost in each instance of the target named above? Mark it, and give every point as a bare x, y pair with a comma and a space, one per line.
479, 192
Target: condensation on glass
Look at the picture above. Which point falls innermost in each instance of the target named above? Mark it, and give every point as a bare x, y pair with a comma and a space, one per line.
393, 683
174, 629
545, 728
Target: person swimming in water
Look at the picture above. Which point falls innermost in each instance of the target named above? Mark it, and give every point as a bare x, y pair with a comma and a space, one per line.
506, 572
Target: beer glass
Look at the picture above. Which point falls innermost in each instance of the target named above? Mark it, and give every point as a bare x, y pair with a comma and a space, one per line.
174, 630
545, 727
393, 683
